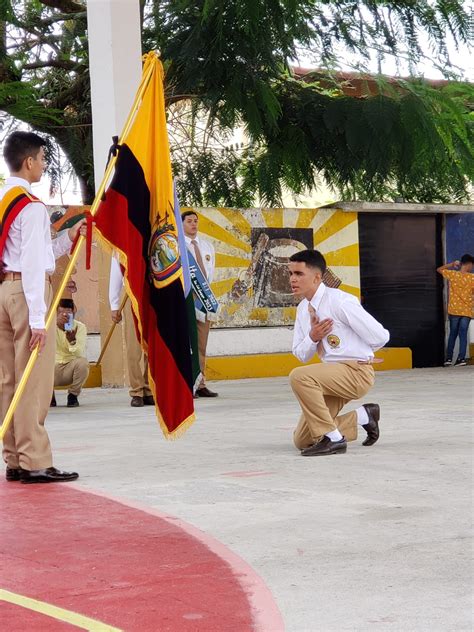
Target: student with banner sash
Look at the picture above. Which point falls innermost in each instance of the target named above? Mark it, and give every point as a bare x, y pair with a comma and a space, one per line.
27, 261
202, 261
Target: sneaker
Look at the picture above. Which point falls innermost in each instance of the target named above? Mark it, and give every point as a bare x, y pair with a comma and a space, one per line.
72, 401
448, 362
461, 362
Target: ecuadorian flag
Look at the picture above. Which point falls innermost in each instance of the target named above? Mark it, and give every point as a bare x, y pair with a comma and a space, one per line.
137, 219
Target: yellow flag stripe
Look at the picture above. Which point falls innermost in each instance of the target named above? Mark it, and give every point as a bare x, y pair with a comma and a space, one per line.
148, 141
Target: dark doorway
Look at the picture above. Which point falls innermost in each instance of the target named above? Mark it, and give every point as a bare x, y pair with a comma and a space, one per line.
399, 255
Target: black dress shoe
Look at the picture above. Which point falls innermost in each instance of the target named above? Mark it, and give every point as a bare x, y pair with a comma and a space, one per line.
205, 392
372, 428
149, 400
53, 401
137, 402
13, 474
49, 475
325, 447
72, 401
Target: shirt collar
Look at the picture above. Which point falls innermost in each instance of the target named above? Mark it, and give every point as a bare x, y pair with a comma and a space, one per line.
18, 182
189, 239
317, 298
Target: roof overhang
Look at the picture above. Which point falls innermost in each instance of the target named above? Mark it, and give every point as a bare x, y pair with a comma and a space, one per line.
399, 207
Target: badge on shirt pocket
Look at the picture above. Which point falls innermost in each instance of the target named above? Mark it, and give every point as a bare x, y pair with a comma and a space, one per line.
208, 257
333, 341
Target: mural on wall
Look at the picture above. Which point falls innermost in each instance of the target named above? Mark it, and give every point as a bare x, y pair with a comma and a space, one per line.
253, 246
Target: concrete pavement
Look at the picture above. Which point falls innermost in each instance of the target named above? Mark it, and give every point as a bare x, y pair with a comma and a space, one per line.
377, 539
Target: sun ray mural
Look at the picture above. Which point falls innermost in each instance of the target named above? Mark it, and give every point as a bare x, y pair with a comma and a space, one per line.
252, 249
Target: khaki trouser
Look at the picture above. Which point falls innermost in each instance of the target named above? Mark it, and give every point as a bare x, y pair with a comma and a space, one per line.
26, 443
203, 335
322, 391
137, 362
72, 374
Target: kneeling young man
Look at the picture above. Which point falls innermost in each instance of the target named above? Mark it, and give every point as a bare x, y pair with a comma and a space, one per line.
333, 325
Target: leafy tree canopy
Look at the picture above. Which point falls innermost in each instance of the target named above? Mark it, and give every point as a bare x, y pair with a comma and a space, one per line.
228, 67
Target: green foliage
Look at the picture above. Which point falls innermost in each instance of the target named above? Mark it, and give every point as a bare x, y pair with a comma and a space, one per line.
228, 65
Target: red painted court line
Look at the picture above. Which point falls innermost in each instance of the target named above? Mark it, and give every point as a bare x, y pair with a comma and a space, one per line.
122, 565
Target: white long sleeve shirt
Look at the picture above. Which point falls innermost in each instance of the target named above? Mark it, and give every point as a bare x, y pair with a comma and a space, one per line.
207, 254
30, 250
115, 284
355, 333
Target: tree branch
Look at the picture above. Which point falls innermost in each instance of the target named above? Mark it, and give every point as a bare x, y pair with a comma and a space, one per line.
54, 63
66, 6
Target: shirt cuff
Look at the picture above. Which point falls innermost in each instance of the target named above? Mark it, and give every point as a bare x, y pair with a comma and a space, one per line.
37, 321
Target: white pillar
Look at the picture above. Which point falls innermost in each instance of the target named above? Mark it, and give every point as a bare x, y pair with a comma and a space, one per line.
114, 32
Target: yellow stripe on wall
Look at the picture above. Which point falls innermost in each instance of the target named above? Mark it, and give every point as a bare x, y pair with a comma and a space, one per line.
347, 256
209, 227
237, 219
280, 364
222, 287
229, 261
305, 217
334, 224
273, 217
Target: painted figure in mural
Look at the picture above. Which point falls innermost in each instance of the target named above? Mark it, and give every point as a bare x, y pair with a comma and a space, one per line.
137, 362
28, 260
460, 305
203, 252
332, 324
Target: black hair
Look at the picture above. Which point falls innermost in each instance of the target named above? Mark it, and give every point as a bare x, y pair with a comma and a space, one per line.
312, 258
467, 259
187, 214
19, 146
67, 303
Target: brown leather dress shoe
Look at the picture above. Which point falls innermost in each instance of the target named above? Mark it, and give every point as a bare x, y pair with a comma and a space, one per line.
205, 392
325, 447
137, 402
13, 474
48, 475
149, 400
372, 428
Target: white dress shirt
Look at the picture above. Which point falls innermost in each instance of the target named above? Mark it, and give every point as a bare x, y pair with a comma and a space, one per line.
115, 284
207, 254
30, 250
355, 333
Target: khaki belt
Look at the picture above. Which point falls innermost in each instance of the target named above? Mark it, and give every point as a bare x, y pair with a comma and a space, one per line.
16, 276
372, 361
12, 276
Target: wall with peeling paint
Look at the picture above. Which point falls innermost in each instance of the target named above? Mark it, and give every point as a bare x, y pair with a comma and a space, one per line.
252, 248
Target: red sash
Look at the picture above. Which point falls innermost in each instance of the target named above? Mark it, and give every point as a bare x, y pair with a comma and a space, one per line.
11, 205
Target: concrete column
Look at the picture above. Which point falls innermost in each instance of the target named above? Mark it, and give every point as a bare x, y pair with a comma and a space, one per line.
114, 32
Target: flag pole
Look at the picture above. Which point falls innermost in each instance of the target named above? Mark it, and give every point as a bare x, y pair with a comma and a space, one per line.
111, 331
75, 255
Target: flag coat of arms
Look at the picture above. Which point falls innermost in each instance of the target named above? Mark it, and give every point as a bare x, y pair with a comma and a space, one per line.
137, 220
